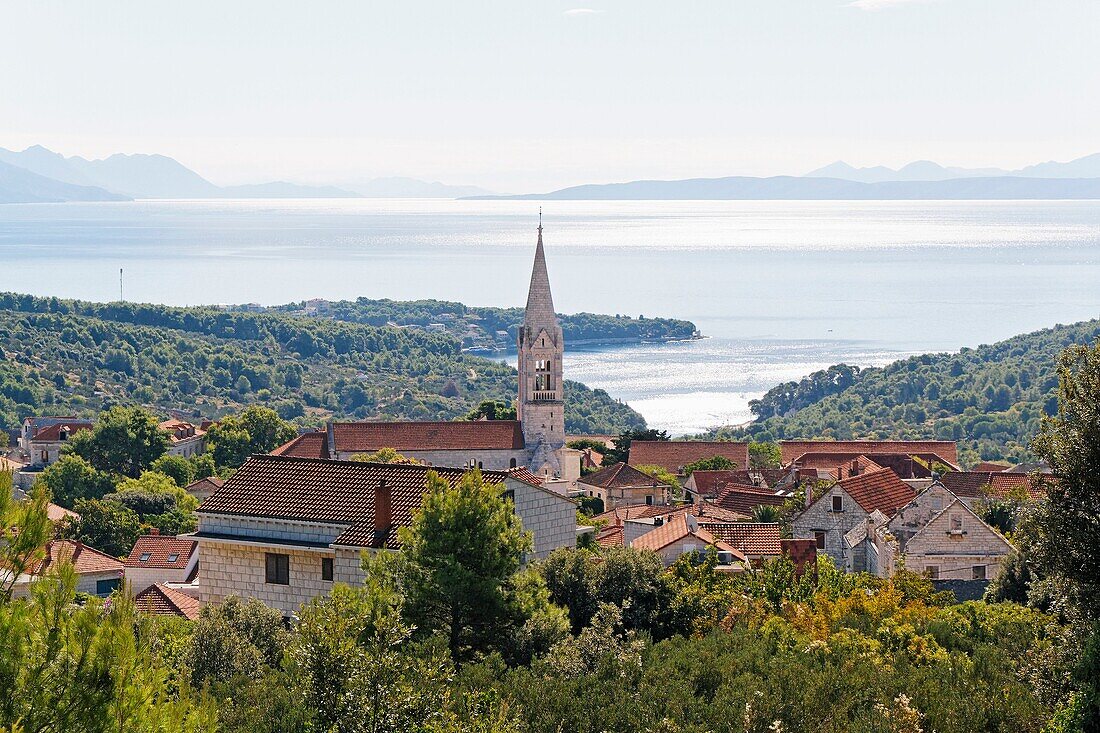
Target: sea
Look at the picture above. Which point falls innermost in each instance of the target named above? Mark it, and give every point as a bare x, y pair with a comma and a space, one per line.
779, 289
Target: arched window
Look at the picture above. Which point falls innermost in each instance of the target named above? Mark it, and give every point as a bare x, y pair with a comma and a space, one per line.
512, 463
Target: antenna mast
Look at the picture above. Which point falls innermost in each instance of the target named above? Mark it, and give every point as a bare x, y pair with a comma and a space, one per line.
120, 298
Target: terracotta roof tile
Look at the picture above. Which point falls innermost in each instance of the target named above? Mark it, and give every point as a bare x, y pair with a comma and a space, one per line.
52, 433
334, 492
743, 499
57, 513
977, 484
83, 558
161, 600
673, 455
792, 449
679, 528
368, 437
610, 536
640, 511
210, 483
881, 490
159, 551
991, 466
750, 538
620, 476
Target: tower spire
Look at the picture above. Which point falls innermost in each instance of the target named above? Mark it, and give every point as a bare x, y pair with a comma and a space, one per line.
540, 303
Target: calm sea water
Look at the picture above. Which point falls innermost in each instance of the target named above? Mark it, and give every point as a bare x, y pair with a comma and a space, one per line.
781, 288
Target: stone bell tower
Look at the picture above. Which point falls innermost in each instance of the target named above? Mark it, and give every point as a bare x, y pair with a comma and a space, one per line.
541, 405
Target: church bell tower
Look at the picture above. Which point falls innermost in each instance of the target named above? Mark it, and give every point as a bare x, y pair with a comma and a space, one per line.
541, 405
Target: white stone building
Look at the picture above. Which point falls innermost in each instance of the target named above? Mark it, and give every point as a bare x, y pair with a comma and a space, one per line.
284, 529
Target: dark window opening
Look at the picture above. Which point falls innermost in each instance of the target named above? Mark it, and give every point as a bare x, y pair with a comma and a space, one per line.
277, 568
512, 463
978, 572
819, 539
838, 504
106, 587
326, 568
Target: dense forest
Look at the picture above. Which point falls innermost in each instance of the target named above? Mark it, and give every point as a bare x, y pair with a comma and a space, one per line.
482, 327
990, 399
73, 356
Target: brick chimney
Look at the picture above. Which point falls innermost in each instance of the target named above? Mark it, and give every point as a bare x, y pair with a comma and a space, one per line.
383, 512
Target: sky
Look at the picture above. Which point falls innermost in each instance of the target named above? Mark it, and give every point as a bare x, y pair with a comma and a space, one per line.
524, 95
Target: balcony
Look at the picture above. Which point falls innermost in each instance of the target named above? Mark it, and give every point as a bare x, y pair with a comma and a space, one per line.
545, 395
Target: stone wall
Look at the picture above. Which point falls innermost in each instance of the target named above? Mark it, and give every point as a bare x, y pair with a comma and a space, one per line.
956, 542
821, 517
550, 517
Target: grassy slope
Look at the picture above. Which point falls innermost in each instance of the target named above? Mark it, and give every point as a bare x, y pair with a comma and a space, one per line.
67, 356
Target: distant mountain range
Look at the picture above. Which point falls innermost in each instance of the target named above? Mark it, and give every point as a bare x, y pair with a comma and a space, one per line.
926, 170
40, 175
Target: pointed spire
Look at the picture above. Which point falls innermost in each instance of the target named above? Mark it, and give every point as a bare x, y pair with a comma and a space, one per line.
540, 303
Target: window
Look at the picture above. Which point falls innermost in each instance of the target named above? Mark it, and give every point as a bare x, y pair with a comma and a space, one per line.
977, 572
512, 463
278, 568
326, 568
838, 503
649, 499
145, 557
819, 539
933, 571
105, 587
173, 557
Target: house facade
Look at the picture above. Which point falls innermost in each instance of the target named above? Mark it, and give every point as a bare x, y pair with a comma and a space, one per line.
161, 559
284, 529
43, 438
622, 484
98, 574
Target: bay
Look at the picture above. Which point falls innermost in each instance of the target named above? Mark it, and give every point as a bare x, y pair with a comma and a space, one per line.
781, 288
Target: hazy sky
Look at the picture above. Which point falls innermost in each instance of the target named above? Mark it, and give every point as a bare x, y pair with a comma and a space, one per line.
519, 96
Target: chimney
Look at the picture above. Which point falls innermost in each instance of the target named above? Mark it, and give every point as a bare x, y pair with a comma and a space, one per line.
154, 531
330, 439
383, 512
840, 473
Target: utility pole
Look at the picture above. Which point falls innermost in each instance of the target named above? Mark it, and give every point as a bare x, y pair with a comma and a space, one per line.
120, 298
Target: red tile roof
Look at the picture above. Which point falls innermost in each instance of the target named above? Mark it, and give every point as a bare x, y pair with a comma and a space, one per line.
336, 492
978, 484
640, 511
750, 538
368, 437
743, 499
610, 536
83, 558
180, 430
673, 455
210, 483
944, 449
802, 552
620, 476
159, 549
57, 513
52, 433
679, 528
991, 466
164, 601
881, 490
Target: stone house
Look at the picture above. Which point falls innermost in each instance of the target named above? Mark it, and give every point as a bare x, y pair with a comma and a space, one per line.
98, 574
846, 505
161, 559
185, 439
680, 535
283, 529
938, 534
621, 483
162, 600
43, 438
204, 487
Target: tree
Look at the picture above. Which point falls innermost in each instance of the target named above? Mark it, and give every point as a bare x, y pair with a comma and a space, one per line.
24, 530
182, 470
124, 440
71, 478
492, 410
358, 671
664, 476
714, 463
255, 430
620, 450
1068, 541
764, 455
766, 513
104, 525
87, 668
462, 547
386, 455
236, 638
